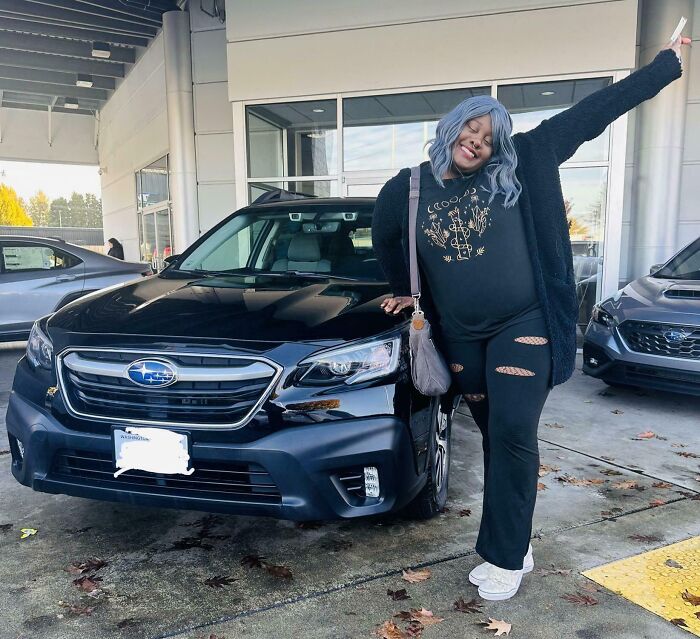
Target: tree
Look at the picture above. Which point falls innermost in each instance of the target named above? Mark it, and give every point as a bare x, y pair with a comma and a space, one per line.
12, 212
58, 212
76, 211
39, 208
93, 208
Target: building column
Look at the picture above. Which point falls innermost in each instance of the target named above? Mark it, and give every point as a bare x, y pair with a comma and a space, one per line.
181, 160
659, 147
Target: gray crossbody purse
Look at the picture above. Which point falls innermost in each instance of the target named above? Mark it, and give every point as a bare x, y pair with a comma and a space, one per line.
428, 369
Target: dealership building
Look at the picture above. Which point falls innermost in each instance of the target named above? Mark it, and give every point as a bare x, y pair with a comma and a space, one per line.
193, 109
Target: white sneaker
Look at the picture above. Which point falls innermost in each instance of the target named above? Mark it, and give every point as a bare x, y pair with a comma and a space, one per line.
500, 583
478, 575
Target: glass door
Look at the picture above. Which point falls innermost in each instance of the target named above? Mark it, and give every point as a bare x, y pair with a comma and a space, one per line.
156, 236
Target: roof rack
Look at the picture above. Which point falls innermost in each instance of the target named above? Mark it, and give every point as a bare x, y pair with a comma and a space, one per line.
280, 195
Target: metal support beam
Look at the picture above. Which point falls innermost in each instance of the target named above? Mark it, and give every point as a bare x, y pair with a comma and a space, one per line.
122, 8
60, 46
52, 77
96, 135
63, 63
40, 88
50, 110
65, 15
76, 32
134, 17
1, 114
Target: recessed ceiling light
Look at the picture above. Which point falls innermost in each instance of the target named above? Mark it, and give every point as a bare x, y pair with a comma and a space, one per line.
101, 50
319, 110
83, 81
547, 93
70, 103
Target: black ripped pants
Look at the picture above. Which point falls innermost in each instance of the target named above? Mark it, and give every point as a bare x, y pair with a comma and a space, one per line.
505, 382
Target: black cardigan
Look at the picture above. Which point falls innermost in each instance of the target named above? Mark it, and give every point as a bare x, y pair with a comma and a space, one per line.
540, 151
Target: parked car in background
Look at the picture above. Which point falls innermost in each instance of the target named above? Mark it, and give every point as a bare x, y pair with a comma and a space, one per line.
648, 333
40, 275
256, 374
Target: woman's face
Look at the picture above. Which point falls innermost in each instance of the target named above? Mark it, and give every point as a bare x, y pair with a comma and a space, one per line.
474, 146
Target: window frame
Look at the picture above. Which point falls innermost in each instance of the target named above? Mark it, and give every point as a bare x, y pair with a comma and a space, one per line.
32, 243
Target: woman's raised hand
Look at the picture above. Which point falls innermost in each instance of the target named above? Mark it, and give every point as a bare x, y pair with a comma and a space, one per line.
396, 304
677, 43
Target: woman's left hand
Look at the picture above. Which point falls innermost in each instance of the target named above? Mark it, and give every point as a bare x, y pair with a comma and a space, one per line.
676, 46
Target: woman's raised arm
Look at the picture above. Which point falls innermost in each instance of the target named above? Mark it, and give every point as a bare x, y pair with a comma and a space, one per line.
587, 119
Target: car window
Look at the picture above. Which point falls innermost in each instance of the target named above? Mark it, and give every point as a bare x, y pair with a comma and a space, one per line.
685, 266
35, 257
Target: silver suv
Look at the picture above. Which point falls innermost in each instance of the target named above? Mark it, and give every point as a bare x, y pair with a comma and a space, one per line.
40, 275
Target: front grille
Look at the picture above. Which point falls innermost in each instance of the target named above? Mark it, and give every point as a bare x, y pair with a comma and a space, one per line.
683, 293
209, 391
656, 338
233, 481
353, 481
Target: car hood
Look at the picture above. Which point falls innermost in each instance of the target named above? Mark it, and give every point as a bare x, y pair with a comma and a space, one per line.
656, 299
259, 308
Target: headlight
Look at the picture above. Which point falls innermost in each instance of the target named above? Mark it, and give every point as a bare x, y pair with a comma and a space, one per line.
351, 364
39, 348
601, 316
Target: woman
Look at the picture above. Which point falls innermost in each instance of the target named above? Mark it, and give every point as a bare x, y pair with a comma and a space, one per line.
115, 248
497, 271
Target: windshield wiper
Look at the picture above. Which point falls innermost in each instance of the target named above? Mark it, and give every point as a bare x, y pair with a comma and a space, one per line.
309, 274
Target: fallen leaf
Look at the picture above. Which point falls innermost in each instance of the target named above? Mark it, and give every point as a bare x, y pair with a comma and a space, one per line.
647, 539
5, 528
398, 595
445, 510
541, 486
590, 587
415, 576
662, 484
219, 581
673, 564
691, 598
88, 584
425, 617
27, 532
125, 623
625, 485
649, 434
679, 445
465, 512
697, 614
686, 454
546, 469
553, 425
567, 479
617, 411
610, 471
389, 630
579, 598
544, 572
252, 561
88, 566
501, 627
657, 502
679, 621
414, 629
281, 572
467, 606
74, 609
607, 458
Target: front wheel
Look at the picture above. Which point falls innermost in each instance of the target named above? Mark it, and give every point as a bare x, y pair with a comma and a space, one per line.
432, 498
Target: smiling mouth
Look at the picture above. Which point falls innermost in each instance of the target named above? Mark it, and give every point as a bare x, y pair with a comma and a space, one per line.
468, 152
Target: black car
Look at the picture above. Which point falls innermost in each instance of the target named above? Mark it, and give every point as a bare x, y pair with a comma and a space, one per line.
256, 374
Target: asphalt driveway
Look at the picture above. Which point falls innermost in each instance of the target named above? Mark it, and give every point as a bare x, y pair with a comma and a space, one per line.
187, 574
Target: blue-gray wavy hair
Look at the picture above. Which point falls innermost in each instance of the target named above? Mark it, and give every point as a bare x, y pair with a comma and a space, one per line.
501, 167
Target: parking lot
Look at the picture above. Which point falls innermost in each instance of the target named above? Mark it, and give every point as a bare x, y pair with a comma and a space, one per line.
606, 493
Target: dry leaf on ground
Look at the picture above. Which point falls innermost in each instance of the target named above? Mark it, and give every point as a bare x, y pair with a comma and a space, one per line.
501, 627
647, 539
27, 532
88, 584
553, 571
389, 630
398, 595
610, 471
679, 621
579, 598
87, 566
625, 485
546, 468
74, 609
554, 425
649, 434
219, 581
673, 564
689, 455
574, 481
467, 606
416, 576
617, 411
656, 502
692, 599
662, 484
281, 572
541, 486
465, 512
425, 617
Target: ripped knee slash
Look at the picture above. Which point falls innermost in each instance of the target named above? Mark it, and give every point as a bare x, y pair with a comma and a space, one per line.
515, 370
533, 340
474, 397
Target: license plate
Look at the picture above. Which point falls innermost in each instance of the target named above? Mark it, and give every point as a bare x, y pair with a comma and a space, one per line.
154, 450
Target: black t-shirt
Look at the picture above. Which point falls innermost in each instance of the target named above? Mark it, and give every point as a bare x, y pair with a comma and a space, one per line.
473, 255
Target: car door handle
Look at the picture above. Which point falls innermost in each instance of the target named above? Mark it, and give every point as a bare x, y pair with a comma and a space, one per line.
65, 278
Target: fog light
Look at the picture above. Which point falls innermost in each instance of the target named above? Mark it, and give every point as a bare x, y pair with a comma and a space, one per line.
371, 481
20, 450
593, 361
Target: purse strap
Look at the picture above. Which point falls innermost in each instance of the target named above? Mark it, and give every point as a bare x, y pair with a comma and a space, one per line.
413, 195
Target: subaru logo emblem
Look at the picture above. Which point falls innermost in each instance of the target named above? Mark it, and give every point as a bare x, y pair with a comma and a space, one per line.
675, 336
152, 373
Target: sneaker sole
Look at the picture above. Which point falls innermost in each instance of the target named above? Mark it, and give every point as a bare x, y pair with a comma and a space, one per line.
477, 582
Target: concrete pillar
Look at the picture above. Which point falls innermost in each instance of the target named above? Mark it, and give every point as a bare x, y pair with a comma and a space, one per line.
181, 160
659, 145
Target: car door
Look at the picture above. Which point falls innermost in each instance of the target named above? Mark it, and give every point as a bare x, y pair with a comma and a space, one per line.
34, 277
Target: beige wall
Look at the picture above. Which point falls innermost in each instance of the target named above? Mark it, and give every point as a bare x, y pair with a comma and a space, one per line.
133, 133
427, 44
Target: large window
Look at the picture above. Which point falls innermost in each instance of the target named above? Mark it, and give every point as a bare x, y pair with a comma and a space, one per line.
153, 205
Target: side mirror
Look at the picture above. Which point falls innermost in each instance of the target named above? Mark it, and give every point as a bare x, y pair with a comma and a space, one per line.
170, 259
654, 268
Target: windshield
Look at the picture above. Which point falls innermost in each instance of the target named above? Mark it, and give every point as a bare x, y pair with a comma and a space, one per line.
332, 241
685, 266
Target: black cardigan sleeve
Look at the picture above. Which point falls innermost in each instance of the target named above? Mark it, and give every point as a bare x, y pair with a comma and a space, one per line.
587, 119
387, 232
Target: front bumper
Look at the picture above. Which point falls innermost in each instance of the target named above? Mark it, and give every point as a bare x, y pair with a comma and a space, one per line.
306, 464
607, 356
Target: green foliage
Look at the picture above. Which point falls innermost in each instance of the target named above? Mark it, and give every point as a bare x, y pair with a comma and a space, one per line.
12, 211
38, 208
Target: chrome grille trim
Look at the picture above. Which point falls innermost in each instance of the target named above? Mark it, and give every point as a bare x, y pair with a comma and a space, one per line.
63, 368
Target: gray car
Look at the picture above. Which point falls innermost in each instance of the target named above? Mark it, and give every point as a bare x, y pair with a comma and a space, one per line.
40, 275
648, 333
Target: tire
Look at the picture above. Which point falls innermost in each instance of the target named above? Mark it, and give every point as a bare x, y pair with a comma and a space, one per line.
433, 496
